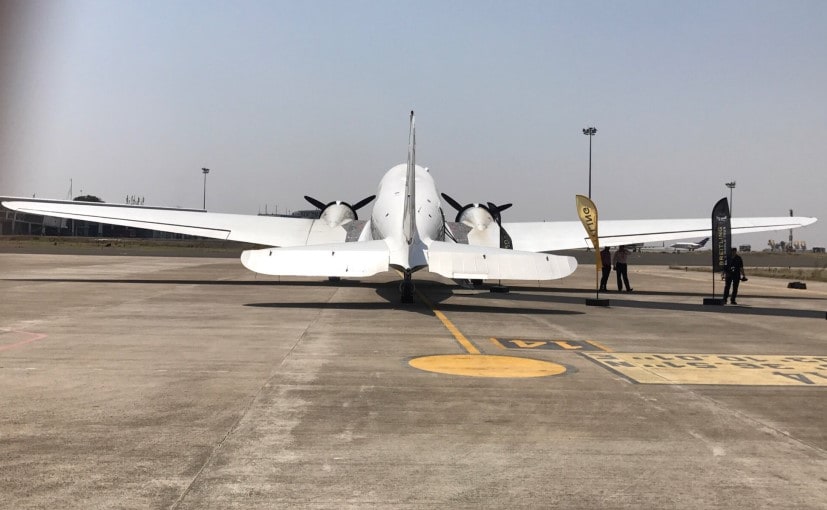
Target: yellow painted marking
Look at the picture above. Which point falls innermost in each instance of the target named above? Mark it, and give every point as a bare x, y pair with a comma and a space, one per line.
721, 369
497, 343
483, 365
475, 364
553, 345
464, 342
599, 346
566, 345
527, 344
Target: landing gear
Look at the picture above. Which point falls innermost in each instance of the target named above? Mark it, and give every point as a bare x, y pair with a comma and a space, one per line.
406, 289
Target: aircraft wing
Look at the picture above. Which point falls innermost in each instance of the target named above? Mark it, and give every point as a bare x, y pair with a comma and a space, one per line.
565, 235
464, 261
265, 230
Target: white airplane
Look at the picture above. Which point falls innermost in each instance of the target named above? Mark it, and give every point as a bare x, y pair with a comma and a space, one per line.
689, 246
406, 232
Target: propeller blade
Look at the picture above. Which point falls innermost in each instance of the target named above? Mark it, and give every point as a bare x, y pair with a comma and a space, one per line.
319, 204
362, 203
453, 203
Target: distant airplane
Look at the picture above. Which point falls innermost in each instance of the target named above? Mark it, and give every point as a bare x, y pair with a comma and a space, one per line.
689, 246
407, 232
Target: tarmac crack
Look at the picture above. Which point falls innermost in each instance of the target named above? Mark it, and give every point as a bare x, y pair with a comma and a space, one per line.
246, 410
752, 421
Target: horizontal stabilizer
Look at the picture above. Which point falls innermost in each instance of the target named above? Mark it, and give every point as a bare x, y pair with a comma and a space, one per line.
341, 259
462, 261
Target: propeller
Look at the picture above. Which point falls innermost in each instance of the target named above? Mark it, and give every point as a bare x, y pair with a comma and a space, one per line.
493, 210
496, 210
353, 208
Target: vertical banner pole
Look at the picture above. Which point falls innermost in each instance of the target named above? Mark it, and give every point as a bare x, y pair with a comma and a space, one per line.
587, 212
721, 238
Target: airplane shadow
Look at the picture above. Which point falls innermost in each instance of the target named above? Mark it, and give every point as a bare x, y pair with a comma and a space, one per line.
435, 292
438, 292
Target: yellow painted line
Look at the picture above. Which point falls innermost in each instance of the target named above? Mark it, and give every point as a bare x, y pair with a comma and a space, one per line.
716, 369
464, 342
497, 343
475, 364
599, 346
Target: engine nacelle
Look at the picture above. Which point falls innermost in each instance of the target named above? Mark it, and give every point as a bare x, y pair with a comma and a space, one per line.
476, 216
338, 213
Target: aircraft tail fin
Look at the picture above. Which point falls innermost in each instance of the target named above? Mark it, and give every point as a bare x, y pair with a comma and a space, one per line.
703, 243
409, 215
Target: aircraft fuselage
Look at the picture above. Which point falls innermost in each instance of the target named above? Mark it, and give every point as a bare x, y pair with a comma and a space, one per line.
388, 216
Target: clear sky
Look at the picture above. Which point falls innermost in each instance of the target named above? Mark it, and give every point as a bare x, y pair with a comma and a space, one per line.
283, 99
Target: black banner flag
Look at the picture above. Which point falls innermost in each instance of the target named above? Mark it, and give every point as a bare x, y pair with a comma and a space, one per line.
721, 235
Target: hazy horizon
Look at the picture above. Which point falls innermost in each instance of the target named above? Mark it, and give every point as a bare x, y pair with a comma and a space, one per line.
282, 100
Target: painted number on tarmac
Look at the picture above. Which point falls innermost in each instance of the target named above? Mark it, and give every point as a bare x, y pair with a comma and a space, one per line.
653, 368
556, 345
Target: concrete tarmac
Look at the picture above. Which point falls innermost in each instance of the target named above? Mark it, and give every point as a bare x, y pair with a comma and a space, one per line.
168, 382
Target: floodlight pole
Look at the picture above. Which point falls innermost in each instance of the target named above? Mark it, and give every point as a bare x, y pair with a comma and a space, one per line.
205, 171
731, 186
590, 132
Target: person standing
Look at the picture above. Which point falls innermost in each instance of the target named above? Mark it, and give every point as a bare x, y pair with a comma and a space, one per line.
606, 262
734, 270
621, 268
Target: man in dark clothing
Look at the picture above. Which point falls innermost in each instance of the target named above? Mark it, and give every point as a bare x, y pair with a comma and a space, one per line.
606, 262
734, 271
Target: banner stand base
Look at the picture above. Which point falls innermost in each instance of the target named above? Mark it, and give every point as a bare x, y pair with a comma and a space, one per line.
714, 301
597, 302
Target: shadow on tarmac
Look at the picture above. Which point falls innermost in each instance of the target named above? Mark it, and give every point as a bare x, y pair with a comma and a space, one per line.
437, 292
683, 307
231, 283
610, 294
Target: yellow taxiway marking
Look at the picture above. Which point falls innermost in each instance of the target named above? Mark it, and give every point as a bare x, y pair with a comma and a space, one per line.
716, 369
464, 342
497, 343
553, 345
475, 364
481, 365
599, 346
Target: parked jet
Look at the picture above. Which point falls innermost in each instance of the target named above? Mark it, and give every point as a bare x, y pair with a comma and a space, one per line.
406, 232
689, 246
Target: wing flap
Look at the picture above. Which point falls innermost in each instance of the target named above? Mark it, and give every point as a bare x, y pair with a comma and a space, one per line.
464, 261
364, 258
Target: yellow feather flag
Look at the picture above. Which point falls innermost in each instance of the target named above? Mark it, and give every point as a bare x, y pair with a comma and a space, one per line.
588, 216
